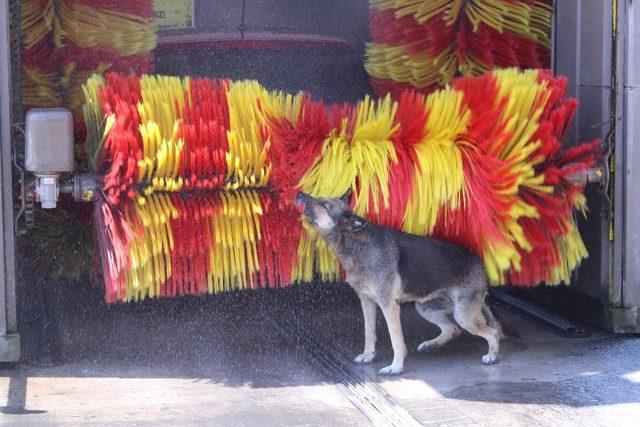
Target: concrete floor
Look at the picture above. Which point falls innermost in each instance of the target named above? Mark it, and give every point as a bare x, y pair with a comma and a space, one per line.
542, 379
221, 361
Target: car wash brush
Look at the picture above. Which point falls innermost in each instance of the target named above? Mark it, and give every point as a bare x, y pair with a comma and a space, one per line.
197, 178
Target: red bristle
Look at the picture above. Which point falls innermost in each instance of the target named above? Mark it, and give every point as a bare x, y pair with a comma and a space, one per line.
410, 118
501, 49
118, 159
39, 55
433, 37
295, 146
203, 130
281, 230
114, 231
88, 60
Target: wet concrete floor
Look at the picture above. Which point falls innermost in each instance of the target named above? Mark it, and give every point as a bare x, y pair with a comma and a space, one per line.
223, 361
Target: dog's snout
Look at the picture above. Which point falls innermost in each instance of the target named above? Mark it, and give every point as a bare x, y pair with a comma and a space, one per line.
301, 200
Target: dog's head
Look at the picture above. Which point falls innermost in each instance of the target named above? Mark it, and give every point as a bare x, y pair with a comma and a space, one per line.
327, 215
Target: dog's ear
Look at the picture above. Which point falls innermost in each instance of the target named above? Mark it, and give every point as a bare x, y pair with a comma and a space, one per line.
346, 196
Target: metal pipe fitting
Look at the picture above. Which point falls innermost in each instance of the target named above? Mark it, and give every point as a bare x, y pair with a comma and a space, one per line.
587, 176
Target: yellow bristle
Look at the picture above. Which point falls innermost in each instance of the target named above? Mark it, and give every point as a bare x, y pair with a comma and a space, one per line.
314, 256
152, 251
420, 9
104, 29
419, 70
234, 256
439, 178
527, 20
333, 173
372, 152
37, 19
159, 126
40, 88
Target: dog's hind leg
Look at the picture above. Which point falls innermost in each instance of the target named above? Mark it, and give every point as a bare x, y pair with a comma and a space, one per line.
438, 312
468, 312
369, 309
491, 319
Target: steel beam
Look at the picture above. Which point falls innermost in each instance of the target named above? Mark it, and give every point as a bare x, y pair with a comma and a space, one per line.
9, 340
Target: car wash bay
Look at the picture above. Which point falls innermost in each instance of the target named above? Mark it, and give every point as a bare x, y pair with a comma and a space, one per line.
282, 357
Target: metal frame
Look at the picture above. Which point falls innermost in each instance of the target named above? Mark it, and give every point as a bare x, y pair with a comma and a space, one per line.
626, 317
619, 23
9, 339
583, 53
604, 71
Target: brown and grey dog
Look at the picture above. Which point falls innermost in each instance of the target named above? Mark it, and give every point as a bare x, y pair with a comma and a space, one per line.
387, 267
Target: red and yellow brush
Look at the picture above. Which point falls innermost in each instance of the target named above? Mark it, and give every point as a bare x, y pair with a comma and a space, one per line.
423, 44
198, 177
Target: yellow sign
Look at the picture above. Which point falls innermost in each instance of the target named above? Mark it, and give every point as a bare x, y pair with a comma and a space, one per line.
170, 14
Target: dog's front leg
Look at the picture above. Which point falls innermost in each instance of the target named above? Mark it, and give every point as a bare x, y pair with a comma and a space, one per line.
391, 312
369, 309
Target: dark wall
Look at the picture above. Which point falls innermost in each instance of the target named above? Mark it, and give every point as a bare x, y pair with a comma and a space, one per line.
347, 19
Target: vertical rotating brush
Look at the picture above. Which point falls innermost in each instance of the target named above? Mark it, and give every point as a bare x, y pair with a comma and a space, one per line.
198, 176
423, 44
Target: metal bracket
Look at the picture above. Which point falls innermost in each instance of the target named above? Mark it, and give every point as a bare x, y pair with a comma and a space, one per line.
81, 186
604, 189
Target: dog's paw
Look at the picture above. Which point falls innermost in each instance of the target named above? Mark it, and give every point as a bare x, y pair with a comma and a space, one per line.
427, 346
364, 358
391, 370
490, 359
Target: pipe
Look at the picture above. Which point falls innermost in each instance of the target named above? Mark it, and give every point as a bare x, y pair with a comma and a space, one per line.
558, 324
82, 186
587, 176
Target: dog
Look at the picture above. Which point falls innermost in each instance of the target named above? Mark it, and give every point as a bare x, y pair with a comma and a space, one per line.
387, 267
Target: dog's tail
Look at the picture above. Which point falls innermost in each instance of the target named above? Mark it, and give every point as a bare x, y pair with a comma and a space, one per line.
500, 322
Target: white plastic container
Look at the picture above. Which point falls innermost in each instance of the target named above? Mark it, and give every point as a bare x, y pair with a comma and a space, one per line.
49, 141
